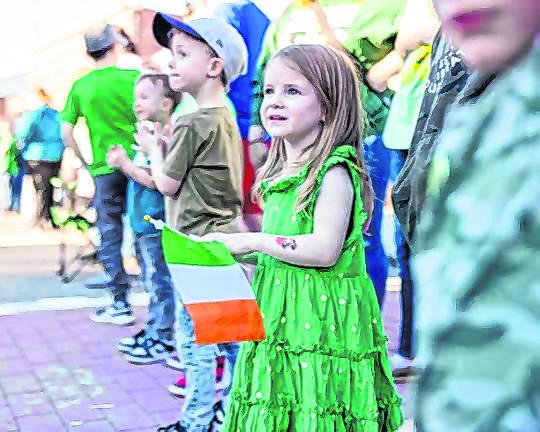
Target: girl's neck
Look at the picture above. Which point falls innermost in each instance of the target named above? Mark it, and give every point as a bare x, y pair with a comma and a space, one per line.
296, 146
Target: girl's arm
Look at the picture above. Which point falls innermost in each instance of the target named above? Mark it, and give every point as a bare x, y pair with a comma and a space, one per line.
322, 248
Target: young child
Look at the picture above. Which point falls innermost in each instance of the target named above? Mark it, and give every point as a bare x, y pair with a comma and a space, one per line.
201, 176
324, 364
154, 101
477, 242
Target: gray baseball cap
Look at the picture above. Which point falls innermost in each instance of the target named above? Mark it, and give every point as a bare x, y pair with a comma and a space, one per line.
217, 34
99, 38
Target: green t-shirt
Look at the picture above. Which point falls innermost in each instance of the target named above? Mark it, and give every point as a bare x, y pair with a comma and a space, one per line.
104, 97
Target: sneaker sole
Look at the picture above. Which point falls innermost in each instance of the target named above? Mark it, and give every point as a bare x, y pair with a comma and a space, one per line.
119, 321
176, 391
143, 360
174, 367
124, 349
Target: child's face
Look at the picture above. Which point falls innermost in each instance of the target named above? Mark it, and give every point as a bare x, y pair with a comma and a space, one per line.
190, 64
291, 108
149, 101
491, 34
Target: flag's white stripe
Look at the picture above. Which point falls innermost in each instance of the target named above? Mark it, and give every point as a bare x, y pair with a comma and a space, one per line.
200, 284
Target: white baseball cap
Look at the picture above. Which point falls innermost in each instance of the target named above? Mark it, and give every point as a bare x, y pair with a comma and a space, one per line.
217, 34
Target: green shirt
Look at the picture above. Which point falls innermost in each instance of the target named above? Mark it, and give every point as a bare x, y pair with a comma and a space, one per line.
478, 291
104, 98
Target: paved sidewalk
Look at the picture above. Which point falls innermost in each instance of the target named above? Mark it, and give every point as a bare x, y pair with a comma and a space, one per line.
61, 372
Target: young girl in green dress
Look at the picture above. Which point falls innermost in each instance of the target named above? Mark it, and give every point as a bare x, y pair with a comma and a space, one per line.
323, 365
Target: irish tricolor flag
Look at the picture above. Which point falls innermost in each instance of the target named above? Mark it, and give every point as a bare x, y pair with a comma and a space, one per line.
213, 288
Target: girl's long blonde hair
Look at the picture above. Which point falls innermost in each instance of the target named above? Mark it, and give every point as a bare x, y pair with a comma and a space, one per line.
334, 77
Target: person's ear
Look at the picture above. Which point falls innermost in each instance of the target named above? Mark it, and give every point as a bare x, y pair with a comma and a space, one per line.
167, 105
215, 68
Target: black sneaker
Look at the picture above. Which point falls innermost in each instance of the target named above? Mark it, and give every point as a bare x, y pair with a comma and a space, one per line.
150, 351
176, 427
125, 345
219, 417
119, 313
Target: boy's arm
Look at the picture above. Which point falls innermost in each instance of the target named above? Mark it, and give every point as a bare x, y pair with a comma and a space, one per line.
139, 174
69, 141
168, 171
166, 185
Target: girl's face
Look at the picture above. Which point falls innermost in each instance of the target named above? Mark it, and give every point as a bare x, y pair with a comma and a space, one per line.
491, 34
149, 101
290, 108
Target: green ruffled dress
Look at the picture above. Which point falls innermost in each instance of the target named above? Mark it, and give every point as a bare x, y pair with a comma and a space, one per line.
323, 365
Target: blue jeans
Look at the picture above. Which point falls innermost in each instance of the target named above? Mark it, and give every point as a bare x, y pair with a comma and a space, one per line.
406, 339
110, 204
158, 283
377, 161
16, 183
200, 362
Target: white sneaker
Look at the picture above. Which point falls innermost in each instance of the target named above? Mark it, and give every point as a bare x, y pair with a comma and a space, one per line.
119, 313
125, 345
175, 362
401, 365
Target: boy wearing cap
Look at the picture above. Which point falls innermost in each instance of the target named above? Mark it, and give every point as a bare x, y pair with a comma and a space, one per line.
104, 97
201, 175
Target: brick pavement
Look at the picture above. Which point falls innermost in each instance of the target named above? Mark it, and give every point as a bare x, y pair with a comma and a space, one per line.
61, 372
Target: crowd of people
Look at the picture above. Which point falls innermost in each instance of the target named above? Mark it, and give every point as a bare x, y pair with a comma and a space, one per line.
279, 136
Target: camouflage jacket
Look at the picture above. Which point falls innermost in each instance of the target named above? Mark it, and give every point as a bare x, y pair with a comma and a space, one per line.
477, 263
447, 79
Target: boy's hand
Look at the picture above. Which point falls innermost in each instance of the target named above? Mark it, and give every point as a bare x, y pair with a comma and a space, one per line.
147, 136
117, 157
238, 244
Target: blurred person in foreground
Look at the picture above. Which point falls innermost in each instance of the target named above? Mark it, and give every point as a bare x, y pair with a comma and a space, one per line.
104, 98
479, 295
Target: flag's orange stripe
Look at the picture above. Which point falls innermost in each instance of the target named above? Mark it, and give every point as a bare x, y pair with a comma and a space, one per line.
228, 321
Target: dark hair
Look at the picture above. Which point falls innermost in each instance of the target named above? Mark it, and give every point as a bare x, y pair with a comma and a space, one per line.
125, 41
99, 54
162, 80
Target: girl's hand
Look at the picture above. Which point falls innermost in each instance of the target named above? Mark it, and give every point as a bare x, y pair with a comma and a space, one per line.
238, 244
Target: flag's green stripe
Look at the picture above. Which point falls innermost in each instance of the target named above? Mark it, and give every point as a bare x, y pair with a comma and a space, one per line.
178, 249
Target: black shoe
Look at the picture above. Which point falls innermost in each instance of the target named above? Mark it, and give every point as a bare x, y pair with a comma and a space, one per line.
176, 427
150, 351
219, 417
102, 281
119, 313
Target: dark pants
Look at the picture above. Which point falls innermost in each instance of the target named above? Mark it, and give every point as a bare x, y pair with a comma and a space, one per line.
110, 203
42, 172
15, 183
406, 340
377, 160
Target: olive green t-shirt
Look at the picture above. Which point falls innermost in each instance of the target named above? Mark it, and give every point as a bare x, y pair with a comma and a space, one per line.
205, 156
104, 97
